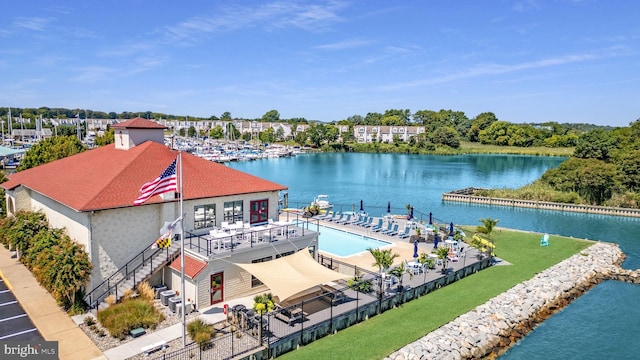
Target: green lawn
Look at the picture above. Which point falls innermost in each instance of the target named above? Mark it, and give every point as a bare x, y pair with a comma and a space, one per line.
382, 334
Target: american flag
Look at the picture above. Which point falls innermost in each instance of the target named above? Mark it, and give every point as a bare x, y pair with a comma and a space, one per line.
167, 181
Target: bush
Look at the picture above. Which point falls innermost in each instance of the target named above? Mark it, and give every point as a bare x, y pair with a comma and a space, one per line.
146, 291
200, 332
120, 318
263, 303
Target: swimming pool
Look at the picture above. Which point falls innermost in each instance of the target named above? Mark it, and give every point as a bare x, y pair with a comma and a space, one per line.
342, 243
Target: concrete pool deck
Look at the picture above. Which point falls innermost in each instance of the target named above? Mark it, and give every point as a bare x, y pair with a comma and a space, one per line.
402, 247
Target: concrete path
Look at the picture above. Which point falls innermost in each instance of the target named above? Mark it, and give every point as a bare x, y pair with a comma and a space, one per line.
53, 323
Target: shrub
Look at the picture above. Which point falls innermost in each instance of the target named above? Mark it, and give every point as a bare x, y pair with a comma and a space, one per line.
200, 332
263, 303
89, 320
120, 318
128, 294
146, 291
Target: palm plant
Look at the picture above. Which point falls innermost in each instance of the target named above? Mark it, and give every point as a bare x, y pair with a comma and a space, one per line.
487, 227
443, 253
383, 258
399, 272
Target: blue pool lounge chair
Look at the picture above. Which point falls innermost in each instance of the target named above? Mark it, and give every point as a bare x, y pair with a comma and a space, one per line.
388, 228
359, 220
336, 217
405, 233
367, 222
345, 220
377, 226
327, 215
393, 231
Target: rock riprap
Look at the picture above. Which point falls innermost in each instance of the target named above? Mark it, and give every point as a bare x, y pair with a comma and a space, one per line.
493, 327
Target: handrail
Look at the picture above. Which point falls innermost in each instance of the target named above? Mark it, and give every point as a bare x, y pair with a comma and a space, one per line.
115, 279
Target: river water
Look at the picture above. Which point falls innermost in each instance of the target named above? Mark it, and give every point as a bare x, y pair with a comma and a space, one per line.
397, 179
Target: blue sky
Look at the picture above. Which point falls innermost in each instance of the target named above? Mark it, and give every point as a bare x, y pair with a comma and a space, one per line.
526, 61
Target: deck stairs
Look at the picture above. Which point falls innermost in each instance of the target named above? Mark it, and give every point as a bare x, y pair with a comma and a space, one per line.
137, 270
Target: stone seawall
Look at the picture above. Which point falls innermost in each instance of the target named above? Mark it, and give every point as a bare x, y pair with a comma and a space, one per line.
465, 195
490, 329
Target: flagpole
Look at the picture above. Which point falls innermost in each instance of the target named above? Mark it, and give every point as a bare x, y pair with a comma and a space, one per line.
184, 338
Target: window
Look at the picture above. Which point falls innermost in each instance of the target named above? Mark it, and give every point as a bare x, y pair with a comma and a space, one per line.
233, 211
254, 280
204, 216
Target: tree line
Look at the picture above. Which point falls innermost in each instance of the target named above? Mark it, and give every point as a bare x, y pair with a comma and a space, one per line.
604, 170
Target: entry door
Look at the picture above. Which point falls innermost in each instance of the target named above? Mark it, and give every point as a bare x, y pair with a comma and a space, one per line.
217, 289
259, 212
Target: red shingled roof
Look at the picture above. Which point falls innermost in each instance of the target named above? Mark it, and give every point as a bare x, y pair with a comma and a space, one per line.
105, 177
138, 123
192, 266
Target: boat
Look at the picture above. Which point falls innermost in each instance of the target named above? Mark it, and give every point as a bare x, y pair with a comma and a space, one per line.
322, 201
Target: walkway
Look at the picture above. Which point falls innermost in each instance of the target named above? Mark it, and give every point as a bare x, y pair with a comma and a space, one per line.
53, 323
210, 315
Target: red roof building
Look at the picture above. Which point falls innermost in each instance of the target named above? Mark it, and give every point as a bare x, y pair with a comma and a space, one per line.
91, 195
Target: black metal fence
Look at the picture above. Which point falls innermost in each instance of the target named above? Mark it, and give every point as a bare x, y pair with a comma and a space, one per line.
322, 312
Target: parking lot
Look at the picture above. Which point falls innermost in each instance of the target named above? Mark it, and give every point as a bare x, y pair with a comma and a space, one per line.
15, 324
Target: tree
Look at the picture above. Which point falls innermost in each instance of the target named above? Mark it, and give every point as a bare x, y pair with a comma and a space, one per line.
51, 149
479, 123
300, 138
383, 258
487, 226
595, 144
271, 116
3, 200
399, 272
317, 134
594, 180
217, 132
629, 165
446, 135
107, 138
443, 255
226, 116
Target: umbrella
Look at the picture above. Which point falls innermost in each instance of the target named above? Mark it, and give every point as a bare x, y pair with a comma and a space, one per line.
389, 207
411, 215
451, 229
361, 207
415, 249
430, 218
435, 241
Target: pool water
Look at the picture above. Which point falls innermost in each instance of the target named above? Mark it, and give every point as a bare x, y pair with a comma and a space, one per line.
342, 243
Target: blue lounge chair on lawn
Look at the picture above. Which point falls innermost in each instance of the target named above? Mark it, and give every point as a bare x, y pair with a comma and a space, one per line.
377, 226
405, 233
393, 231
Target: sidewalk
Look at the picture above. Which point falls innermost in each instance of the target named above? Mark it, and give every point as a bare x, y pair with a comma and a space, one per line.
53, 323
210, 315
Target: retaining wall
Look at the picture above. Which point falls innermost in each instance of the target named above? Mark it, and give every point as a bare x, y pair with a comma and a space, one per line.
461, 196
